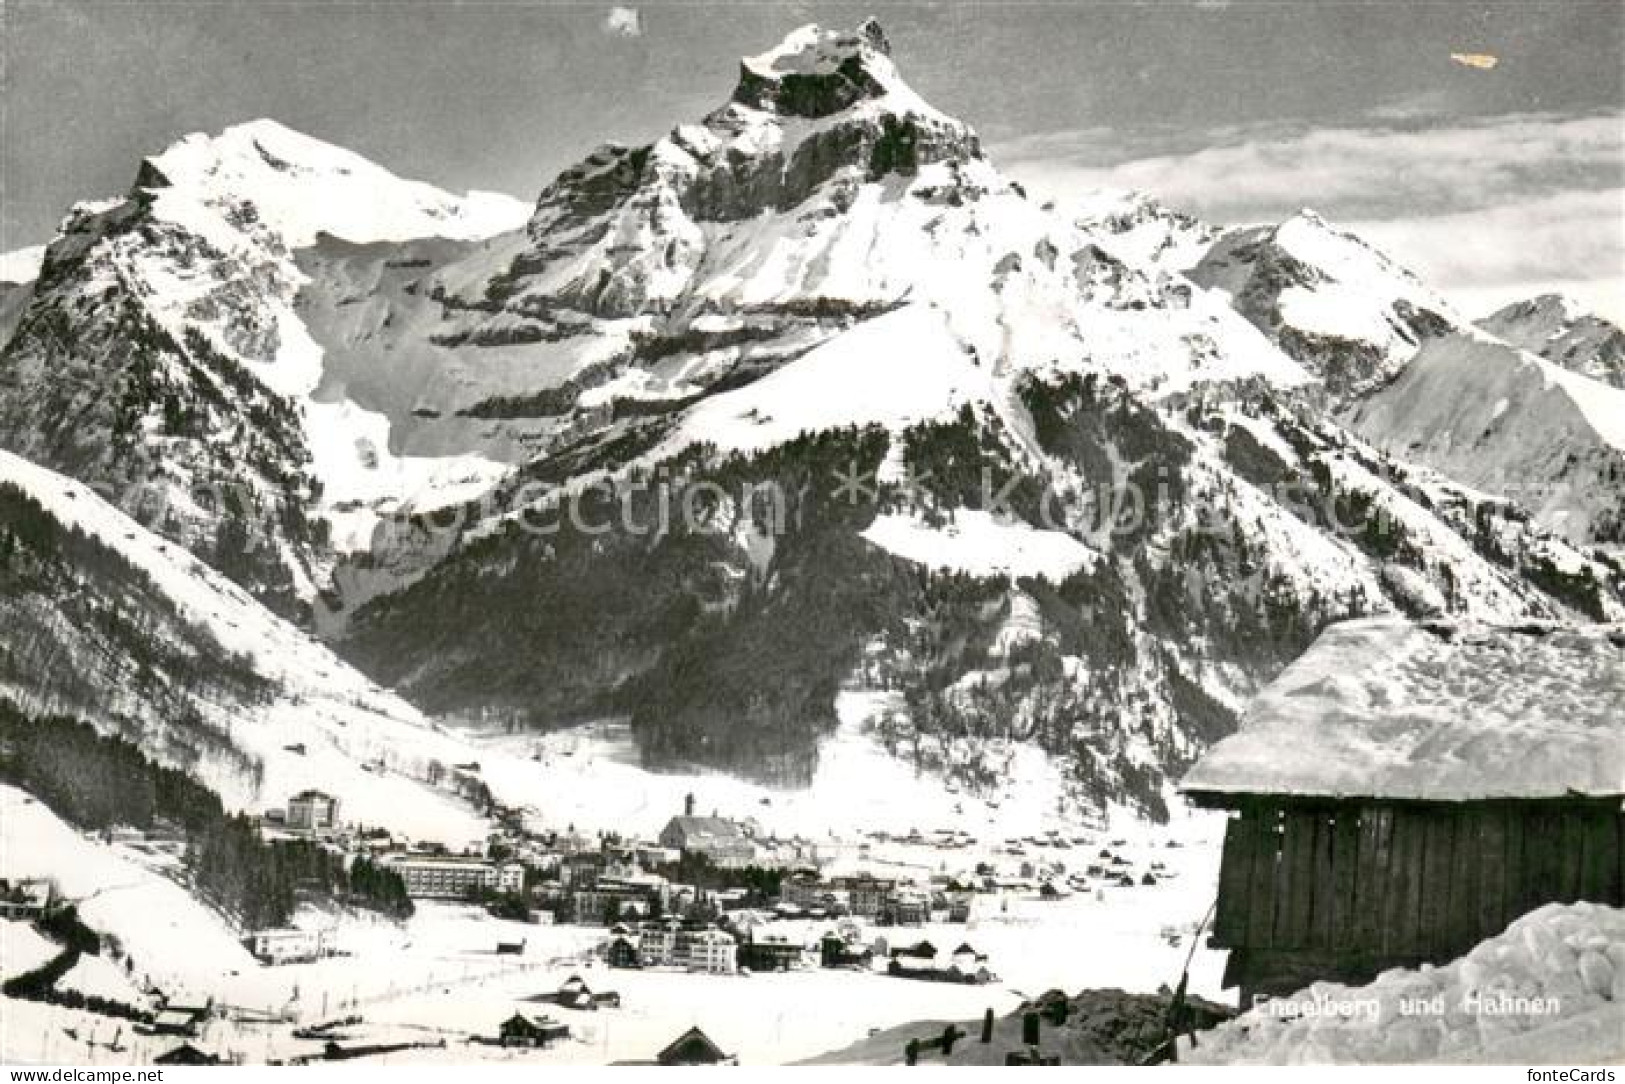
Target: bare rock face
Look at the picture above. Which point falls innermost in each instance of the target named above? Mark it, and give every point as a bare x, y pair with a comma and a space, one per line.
755, 154
97, 382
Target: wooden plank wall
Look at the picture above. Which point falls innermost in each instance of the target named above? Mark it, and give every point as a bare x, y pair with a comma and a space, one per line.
1409, 880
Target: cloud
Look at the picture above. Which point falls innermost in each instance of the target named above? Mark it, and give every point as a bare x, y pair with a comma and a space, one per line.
1571, 242
624, 22
1480, 209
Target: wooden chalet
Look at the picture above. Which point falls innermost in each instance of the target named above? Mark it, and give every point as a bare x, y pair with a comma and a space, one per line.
1404, 791
622, 952
522, 1030
694, 1047
186, 1054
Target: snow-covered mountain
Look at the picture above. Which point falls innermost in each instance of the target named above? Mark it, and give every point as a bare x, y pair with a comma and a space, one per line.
1078, 479
1562, 332
826, 277
159, 355
1328, 299
1509, 423
1406, 372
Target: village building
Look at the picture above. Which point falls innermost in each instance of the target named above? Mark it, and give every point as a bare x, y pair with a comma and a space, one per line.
671, 943
836, 951
446, 877
765, 953
626, 897
924, 961
967, 958
313, 811
655, 855
1404, 791
867, 896
919, 950
622, 951
582, 871
657, 943
714, 952
286, 945
908, 907
24, 901
186, 1054
175, 1022
576, 994
805, 891
531, 1031
718, 839
694, 1047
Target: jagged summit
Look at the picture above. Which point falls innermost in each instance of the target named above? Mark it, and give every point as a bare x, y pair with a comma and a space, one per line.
815, 72
815, 125
757, 153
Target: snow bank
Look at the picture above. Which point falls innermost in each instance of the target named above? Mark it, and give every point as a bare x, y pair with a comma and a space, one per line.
1551, 985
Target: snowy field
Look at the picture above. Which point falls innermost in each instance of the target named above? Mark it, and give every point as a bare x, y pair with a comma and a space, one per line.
590, 777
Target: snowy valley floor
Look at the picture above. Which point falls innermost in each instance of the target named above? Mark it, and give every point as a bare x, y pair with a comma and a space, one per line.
437, 977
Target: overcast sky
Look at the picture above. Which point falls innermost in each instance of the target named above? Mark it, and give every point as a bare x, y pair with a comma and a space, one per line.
1491, 181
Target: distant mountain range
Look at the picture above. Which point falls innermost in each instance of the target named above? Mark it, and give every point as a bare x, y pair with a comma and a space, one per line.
1082, 477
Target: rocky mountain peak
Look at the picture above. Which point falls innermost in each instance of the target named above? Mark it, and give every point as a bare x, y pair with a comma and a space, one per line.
815, 72
811, 125
1559, 329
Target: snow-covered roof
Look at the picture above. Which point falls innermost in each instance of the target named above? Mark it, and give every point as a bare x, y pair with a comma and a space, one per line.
705, 829
1449, 711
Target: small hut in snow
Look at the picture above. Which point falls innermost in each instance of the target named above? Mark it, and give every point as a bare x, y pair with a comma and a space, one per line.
1403, 791
694, 1047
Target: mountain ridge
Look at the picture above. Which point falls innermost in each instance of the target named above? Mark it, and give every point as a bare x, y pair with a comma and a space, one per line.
822, 279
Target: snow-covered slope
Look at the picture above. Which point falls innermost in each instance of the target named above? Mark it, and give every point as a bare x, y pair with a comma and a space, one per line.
1559, 330
111, 623
177, 941
295, 188
1512, 424
1414, 378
